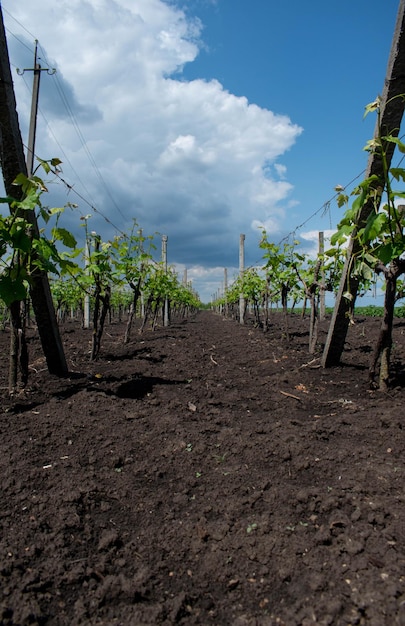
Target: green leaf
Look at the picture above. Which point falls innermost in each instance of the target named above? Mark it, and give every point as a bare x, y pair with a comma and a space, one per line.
45, 165
44, 215
38, 183
56, 210
66, 237
359, 201
12, 290
400, 145
342, 200
372, 145
370, 259
341, 235
68, 266
20, 179
385, 253
47, 265
375, 226
398, 173
364, 271
20, 240
372, 106
30, 202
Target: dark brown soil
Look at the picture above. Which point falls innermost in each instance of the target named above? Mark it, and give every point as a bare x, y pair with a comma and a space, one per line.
206, 473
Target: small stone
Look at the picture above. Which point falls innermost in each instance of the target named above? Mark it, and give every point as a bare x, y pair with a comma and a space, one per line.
233, 583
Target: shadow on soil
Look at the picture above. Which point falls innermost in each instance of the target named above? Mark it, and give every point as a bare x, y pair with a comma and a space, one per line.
141, 353
140, 386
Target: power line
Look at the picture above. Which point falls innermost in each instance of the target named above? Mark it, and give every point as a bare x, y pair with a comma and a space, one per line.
54, 137
66, 158
93, 208
19, 40
324, 209
82, 139
19, 23
74, 122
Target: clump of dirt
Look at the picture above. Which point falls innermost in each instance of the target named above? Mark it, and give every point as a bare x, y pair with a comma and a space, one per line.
205, 473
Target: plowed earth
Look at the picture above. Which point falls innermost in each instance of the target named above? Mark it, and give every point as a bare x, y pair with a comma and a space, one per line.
205, 473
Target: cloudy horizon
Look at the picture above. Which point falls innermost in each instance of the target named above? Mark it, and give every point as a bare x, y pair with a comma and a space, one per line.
138, 140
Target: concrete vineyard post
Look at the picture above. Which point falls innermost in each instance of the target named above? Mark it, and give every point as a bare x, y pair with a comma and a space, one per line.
166, 301
86, 304
241, 271
226, 291
322, 290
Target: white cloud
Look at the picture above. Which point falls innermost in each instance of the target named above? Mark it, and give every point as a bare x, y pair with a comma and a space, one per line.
312, 236
185, 158
281, 170
271, 225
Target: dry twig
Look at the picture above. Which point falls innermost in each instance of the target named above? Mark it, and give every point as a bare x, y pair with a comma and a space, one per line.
290, 395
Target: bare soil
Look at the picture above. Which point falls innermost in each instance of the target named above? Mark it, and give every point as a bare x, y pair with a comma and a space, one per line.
205, 473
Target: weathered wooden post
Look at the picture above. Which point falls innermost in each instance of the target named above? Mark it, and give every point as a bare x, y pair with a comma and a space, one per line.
13, 162
86, 300
142, 311
226, 292
391, 112
321, 250
166, 302
241, 272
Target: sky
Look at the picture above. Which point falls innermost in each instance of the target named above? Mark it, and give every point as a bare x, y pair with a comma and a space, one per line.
202, 119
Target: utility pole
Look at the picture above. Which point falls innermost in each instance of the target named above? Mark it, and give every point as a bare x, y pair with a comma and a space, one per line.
13, 162
37, 69
391, 112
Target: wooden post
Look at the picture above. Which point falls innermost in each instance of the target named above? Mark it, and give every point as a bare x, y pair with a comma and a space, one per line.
86, 300
166, 302
141, 250
13, 163
391, 112
226, 291
241, 271
321, 250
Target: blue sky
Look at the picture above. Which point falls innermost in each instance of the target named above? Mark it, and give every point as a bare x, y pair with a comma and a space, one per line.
319, 63
203, 118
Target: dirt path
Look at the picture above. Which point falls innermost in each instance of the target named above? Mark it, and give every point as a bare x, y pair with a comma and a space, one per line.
203, 474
